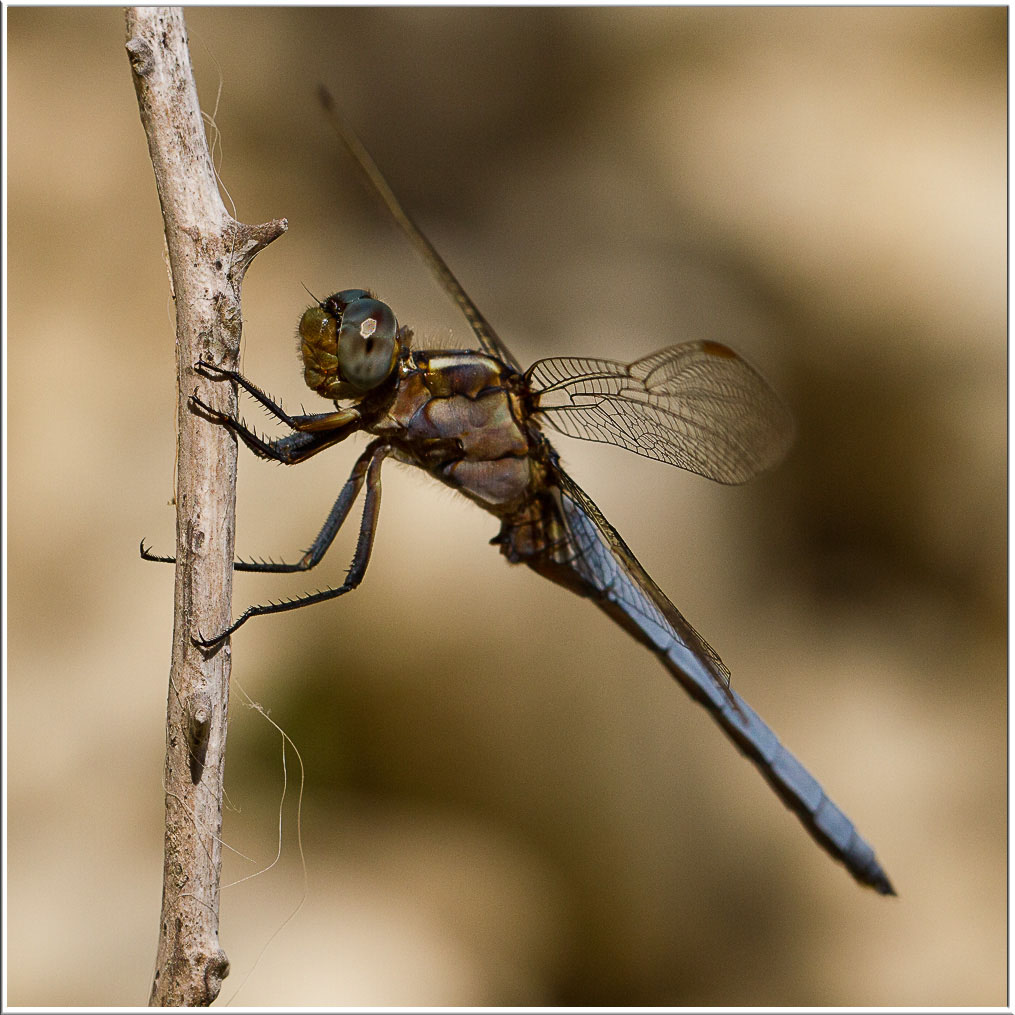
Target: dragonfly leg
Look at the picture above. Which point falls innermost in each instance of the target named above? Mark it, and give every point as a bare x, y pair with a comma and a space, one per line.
290, 450
317, 421
369, 468
215, 373
335, 520
156, 558
313, 556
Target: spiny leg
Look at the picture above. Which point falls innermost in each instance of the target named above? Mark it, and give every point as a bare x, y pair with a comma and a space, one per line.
155, 558
215, 373
316, 421
290, 450
319, 547
370, 462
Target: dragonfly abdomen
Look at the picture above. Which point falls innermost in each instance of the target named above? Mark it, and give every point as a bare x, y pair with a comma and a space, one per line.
801, 792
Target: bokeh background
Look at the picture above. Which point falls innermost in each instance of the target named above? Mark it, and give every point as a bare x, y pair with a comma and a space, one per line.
506, 800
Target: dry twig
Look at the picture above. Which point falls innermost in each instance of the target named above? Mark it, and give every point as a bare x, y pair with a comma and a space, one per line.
208, 255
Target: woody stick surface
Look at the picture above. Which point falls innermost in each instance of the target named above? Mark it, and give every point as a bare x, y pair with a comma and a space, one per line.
208, 255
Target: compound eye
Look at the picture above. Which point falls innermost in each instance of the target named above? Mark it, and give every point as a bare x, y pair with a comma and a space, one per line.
367, 343
336, 303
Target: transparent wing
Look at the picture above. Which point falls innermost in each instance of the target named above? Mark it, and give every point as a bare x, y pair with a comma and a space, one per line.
593, 560
698, 406
489, 340
597, 554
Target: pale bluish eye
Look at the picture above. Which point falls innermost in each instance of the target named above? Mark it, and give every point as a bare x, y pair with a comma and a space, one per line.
367, 343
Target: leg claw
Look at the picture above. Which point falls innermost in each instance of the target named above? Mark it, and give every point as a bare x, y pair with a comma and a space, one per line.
214, 373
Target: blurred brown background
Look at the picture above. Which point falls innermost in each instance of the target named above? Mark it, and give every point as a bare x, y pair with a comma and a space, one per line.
507, 800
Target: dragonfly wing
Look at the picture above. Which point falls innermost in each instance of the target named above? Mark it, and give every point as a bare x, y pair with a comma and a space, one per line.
594, 561
698, 406
489, 340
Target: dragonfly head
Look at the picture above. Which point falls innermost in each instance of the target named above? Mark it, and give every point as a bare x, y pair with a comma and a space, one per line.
350, 344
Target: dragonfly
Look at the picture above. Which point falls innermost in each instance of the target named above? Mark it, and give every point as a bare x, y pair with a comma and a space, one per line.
474, 420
